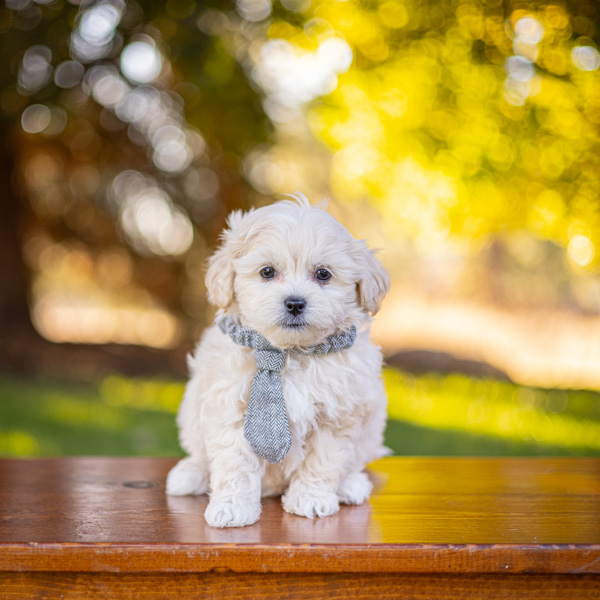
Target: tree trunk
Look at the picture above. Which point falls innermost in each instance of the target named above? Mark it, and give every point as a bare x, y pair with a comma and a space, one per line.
14, 274
22, 349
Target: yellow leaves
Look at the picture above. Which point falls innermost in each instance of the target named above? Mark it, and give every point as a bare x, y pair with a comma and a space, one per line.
552, 159
457, 48
393, 14
471, 20
359, 27
355, 160
481, 129
353, 93
487, 200
476, 81
561, 100
556, 60
426, 112
546, 211
393, 102
282, 30
375, 49
530, 157
589, 88
570, 124
554, 16
468, 155
418, 199
495, 30
443, 123
501, 152
362, 123
363, 29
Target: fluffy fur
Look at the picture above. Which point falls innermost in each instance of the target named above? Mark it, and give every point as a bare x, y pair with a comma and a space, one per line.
336, 403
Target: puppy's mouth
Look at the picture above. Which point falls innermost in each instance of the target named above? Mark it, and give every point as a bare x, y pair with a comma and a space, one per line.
293, 323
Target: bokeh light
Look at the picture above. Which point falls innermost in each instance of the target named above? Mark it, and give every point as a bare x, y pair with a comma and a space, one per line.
586, 58
581, 250
94, 36
148, 217
36, 68
36, 118
292, 77
141, 62
254, 10
68, 73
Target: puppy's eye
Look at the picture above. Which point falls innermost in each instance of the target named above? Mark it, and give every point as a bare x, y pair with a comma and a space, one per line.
323, 275
267, 273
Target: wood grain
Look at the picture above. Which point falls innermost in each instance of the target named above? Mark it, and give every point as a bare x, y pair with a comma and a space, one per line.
251, 586
434, 528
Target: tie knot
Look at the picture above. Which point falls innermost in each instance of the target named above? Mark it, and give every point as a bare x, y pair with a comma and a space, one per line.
269, 360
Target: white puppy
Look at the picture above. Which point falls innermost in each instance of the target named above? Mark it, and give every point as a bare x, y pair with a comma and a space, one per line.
294, 277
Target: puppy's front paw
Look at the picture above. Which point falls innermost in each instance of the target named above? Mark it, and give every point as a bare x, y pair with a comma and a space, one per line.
310, 502
231, 511
187, 478
355, 489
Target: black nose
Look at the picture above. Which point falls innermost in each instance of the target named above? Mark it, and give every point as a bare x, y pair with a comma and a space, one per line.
295, 305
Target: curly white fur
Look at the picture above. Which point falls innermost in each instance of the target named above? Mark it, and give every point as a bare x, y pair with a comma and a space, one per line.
336, 403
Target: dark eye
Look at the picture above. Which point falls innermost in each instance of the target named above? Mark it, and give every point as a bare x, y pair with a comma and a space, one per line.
267, 273
323, 275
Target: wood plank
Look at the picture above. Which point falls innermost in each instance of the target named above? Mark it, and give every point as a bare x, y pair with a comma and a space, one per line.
428, 515
228, 586
290, 558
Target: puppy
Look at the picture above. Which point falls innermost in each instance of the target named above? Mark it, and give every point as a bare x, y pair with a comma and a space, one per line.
285, 395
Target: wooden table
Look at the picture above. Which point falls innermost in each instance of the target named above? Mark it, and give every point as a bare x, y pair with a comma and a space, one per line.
435, 528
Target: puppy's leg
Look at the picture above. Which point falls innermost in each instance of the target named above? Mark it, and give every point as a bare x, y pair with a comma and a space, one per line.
314, 485
235, 483
189, 477
355, 488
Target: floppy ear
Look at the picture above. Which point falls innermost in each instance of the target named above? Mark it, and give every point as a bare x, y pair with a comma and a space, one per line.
220, 274
374, 283
219, 277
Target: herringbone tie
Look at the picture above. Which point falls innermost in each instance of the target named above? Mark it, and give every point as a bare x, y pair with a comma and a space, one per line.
266, 426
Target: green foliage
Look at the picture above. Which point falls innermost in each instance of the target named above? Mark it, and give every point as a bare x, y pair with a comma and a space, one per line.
428, 415
492, 417
115, 417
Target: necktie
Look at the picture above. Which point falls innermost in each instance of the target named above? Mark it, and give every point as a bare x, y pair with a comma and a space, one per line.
266, 426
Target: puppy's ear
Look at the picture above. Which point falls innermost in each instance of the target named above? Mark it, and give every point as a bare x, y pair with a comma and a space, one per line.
374, 283
220, 273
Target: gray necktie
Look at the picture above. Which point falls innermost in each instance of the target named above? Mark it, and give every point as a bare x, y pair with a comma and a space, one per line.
266, 427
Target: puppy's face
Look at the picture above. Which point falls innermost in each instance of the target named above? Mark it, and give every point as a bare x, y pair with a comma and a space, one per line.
294, 274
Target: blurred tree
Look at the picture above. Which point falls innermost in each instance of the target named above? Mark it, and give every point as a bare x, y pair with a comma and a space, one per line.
468, 125
456, 119
121, 125
129, 130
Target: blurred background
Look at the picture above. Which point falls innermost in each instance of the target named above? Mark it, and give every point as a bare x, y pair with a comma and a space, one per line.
461, 137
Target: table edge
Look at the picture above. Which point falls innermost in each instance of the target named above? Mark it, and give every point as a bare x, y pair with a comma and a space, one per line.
301, 558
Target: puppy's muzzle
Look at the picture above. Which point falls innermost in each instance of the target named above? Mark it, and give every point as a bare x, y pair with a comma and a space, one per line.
294, 305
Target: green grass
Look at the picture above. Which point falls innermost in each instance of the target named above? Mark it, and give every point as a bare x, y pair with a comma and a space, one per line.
463, 416
429, 415
116, 416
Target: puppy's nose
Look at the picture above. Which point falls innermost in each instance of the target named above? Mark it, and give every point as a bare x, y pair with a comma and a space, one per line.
295, 305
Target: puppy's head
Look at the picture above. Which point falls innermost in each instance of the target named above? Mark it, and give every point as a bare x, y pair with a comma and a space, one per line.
294, 274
